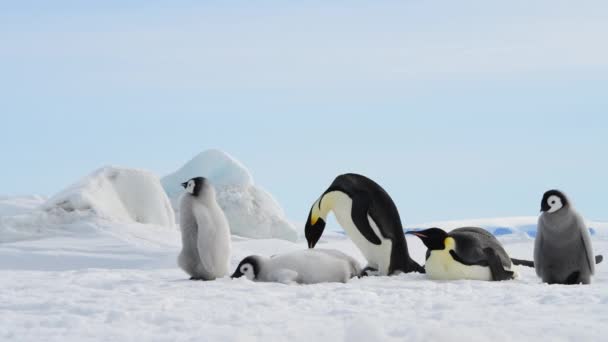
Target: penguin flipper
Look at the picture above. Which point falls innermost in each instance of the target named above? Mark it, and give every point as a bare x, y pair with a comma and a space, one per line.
359, 214
520, 262
586, 241
481, 262
496, 267
284, 276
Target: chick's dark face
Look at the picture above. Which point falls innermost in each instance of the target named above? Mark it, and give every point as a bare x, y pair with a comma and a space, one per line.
249, 268
194, 185
553, 200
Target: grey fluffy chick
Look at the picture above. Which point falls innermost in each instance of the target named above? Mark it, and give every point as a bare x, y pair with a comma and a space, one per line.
562, 251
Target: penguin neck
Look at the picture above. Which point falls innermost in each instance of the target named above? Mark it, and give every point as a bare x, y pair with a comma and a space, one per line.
449, 244
204, 197
328, 202
559, 219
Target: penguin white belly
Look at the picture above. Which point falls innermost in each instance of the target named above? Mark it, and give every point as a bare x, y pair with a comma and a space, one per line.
441, 266
378, 256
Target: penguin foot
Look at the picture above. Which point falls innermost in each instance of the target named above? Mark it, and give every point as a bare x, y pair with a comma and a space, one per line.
197, 278
368, 271
573, 278
496, 267
418, 268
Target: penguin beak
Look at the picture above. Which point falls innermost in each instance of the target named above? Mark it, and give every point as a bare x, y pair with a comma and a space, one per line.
236, 274
185, 185
420, 235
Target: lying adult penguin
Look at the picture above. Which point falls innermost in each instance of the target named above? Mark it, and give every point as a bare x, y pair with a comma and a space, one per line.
466, 253
370, 218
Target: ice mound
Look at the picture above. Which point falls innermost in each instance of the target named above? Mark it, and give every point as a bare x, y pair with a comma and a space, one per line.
251, 211
217, 166
118, 194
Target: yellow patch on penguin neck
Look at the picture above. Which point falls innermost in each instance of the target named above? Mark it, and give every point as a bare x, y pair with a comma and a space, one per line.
320, 211
449, 243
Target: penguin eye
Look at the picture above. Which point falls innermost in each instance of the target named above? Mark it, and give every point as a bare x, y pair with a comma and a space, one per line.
553, 202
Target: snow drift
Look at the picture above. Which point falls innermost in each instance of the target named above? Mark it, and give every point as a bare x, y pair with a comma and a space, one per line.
251, 211
118, 194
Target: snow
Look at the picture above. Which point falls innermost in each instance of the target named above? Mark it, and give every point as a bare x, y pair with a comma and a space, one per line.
118, 194
94, 279
251, 211
19, 205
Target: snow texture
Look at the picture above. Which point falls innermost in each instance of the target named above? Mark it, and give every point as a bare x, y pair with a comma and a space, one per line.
118, 194
251, 211
120, 282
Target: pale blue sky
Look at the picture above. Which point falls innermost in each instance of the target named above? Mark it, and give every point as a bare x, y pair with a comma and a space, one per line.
460, 109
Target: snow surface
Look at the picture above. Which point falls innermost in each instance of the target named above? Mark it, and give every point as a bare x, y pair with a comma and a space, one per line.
250, 210
96, 280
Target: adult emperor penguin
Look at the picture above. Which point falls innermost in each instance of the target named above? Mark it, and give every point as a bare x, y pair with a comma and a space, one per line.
205, 232
371, 220
562, 248
309, 266
465, 253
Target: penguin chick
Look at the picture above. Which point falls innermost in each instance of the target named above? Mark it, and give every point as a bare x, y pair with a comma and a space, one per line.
310, 266
562, 249
205, 232
465, 253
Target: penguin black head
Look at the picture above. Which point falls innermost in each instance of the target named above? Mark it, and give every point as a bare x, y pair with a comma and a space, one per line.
433, 238
314, 225
249, 268
194, 185
553, 200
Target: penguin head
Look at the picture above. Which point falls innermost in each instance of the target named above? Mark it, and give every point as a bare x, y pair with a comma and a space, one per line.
249, 267
433, 238
553, 200
316, 222
194, 185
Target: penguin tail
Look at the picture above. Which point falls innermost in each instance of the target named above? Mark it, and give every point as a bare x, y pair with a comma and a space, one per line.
520, 262
599, 259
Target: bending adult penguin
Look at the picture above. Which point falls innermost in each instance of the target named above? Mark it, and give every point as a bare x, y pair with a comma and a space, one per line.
370, 218
309, 266
466, 253
562, 249
205, 232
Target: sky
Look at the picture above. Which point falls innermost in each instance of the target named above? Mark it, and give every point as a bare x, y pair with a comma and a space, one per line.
459, 109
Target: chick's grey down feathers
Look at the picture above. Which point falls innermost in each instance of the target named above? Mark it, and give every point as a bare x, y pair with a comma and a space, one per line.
562, 251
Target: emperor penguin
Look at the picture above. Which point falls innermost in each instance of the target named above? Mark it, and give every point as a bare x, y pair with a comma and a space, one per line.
205, 232
466, 253
562, 248
309, 266
370, 218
